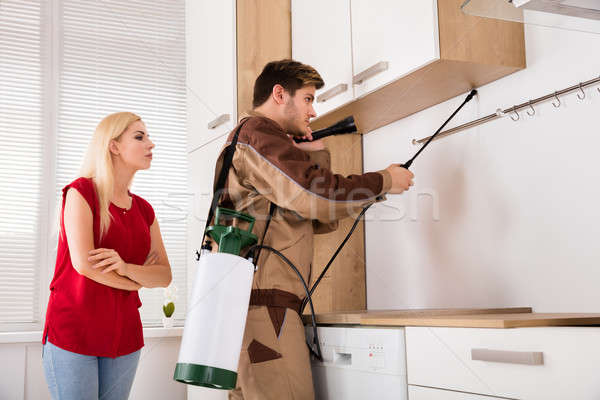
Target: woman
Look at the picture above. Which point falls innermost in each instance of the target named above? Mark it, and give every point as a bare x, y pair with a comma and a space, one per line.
109, 247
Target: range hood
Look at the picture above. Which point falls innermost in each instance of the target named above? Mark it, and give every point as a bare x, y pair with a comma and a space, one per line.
580, 15
573, 8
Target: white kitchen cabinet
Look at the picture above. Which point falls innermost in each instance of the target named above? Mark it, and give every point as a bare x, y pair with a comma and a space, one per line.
321, 37
406, 55
358, 45
394, 37
211, 82
423, 393
524, 363
211, 69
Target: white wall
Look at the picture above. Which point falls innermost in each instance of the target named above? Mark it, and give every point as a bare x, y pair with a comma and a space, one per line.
519, 202
22, 374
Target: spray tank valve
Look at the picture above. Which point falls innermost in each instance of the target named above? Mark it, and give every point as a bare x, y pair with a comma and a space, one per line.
205, 249
230, 238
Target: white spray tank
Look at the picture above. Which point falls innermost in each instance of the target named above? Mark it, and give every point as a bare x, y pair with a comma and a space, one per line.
216, 317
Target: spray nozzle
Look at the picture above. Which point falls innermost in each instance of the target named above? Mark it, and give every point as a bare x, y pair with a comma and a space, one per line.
344, 126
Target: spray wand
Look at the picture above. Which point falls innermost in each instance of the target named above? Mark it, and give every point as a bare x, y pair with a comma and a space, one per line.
469, 97
405, 165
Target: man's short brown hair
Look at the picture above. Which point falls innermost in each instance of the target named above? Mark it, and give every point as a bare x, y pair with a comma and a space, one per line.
290, 74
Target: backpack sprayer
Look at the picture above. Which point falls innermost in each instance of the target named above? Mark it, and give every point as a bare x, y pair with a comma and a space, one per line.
216, 319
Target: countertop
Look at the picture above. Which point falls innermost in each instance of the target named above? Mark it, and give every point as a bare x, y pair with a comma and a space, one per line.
456, 317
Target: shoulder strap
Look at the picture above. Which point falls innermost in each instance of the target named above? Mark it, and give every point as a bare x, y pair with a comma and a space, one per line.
218, 190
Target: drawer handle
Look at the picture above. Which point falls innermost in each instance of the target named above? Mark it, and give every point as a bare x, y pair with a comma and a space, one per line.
334, 91
511, 357
220, 120
370, 72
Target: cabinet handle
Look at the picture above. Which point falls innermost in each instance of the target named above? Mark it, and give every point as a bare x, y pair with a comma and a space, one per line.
334, 91
512, 357
221, 119
370, 72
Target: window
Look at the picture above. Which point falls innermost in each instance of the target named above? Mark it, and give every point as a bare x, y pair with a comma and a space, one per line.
23, 63
111, 55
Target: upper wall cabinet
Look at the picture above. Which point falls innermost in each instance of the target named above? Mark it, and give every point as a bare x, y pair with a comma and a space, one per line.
321, 37
391, 38
211, 74
398, 57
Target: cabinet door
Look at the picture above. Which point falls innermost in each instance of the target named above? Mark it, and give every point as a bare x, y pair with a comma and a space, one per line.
321, 38
211, 83
211, 70
401, 33
545, 363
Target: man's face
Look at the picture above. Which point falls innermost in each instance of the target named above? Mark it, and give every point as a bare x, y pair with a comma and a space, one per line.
298, 110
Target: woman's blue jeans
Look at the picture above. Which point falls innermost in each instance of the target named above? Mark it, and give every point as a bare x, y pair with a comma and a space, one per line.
72, 376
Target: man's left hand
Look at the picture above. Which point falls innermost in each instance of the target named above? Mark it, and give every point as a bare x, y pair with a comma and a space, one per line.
311, 145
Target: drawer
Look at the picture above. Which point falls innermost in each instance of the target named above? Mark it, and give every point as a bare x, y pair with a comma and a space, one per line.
423, 393
508, 361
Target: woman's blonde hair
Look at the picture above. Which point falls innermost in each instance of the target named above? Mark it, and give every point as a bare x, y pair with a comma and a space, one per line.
98, 164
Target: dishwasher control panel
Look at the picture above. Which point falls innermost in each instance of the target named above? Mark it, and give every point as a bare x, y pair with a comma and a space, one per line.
363, 348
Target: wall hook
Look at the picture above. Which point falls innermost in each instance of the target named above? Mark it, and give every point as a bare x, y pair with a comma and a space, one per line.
556, 97
517, 114
582, 92
532, 113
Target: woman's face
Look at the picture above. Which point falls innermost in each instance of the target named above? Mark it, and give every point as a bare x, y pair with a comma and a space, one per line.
134, 147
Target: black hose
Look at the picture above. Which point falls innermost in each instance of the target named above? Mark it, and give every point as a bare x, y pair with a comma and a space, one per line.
314, 286
318, 354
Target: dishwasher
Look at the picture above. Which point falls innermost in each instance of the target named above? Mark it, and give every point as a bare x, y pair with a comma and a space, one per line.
360, 363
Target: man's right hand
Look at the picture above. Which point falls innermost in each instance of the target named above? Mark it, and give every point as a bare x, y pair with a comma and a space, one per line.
401, 178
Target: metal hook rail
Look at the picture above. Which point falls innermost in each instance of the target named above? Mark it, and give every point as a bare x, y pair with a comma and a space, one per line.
513, 111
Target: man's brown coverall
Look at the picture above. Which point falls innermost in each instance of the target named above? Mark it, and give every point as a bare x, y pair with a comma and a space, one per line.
267, 167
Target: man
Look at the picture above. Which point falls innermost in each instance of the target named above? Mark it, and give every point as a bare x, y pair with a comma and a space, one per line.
268, 167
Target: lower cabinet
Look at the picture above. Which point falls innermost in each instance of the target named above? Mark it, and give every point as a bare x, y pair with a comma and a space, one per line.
423, 393
521, 363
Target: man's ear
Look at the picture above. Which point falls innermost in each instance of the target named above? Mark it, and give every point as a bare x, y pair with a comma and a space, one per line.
278, 94
113, 148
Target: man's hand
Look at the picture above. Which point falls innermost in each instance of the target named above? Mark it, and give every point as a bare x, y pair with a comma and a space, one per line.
401, 178
311, 145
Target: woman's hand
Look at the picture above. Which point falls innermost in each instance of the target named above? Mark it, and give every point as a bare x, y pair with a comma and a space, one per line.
151, 259
109, 259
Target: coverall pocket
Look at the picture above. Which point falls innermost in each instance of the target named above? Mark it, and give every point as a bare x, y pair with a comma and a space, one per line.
258, 352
